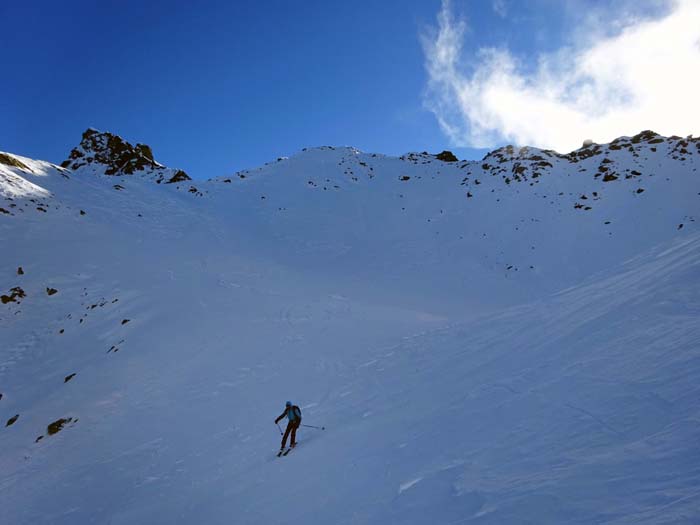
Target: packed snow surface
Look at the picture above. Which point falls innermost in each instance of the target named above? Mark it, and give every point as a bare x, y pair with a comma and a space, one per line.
515, 340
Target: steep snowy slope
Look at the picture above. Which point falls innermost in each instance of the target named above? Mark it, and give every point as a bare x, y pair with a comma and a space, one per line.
507, 341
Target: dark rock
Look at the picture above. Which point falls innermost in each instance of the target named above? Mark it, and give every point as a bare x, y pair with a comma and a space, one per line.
645, 136
118, 156
12, 420
20, 271
11, 161
51, 291
68, 377
57, 425
583, 153
145, 150
446, 156
15, 293
178, 177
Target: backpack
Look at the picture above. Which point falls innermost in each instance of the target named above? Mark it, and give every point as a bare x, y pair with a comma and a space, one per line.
297, 412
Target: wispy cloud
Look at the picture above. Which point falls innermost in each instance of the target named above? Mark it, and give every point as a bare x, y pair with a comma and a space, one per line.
500, 7
645, 76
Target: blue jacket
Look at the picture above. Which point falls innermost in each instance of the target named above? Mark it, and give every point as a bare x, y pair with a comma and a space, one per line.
293, 413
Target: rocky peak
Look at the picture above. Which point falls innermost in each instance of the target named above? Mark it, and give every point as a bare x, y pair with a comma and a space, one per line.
446, 156
112, 155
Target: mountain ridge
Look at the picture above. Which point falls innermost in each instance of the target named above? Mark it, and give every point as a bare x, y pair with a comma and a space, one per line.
484, 344
117, 156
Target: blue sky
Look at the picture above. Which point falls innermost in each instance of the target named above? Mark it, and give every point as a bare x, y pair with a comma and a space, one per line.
223, 86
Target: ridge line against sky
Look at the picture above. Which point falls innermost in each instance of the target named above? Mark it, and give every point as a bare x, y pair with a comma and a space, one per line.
218, 88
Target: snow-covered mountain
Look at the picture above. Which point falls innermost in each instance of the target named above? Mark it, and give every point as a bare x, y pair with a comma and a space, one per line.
514, 340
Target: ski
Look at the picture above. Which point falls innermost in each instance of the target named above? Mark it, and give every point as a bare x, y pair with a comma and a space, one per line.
286, 451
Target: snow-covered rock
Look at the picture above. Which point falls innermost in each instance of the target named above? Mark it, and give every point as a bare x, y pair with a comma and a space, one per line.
108, 154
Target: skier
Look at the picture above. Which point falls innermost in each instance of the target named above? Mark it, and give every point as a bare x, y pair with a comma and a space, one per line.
293, 413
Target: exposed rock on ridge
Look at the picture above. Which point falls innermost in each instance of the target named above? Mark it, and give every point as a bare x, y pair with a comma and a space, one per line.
119, 157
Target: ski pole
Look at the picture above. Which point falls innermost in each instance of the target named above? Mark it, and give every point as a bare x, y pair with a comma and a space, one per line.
278, 426
311, 426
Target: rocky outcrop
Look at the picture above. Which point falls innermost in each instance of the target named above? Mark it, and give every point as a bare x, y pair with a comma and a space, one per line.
15, 294
446, 156
112, 155
179, 176
11, 161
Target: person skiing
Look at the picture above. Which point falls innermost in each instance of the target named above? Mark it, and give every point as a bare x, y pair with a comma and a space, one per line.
293, 414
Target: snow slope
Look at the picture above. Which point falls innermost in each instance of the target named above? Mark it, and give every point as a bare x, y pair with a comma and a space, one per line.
507, 341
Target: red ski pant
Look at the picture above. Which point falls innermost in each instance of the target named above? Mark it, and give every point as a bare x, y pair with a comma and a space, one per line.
291, 427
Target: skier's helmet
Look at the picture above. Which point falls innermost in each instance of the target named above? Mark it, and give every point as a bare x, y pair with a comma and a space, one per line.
288, 404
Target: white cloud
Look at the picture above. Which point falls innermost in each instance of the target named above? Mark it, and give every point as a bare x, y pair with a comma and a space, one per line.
500, 7
646, 76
